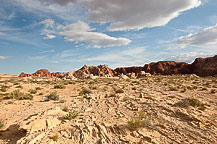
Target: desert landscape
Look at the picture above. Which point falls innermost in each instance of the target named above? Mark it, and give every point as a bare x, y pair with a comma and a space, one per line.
163, 102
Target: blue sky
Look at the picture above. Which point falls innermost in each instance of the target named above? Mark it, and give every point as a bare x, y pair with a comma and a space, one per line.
63, 35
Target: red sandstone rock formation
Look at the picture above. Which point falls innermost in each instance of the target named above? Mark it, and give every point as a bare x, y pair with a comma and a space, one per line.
39, 73
101, 71
205, 66
126, 70
167, 68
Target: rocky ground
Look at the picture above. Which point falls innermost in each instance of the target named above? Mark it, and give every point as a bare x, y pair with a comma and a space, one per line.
157, 109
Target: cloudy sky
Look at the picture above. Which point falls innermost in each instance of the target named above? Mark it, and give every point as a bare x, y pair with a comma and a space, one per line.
63, 35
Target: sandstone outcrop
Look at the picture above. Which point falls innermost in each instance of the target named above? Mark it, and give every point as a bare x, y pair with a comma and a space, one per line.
167, 68
205, 66
126, 70
100, 71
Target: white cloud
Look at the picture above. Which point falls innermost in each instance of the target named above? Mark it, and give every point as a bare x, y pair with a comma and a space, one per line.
189, 57
136, 14
48, 33
3, 57
205, 37
81, 31
48, 23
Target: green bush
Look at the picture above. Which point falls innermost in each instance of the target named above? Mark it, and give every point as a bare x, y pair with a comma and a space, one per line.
55, 138
33, 91
191, 102
19, 95
4, 88
173, 89
84, 91
71, 115
60, 86
213, 91
52, 96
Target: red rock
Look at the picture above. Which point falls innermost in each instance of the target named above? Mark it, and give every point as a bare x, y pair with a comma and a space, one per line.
126, 70
167, 68
101, 71
205, 66
42, 73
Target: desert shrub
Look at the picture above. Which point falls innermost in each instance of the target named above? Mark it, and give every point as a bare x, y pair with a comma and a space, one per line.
119, 91
204, 89
60, 86
71, 115
139, 121
16, 94
65, 109
191, 102
173, 89
52, 96
33, 91
213, 91
55, 138
4, 88
84, 91
38, 88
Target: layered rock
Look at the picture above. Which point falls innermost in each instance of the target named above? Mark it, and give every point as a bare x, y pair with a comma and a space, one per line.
100, 71
42, 73
167, 68
126, 70
205, 66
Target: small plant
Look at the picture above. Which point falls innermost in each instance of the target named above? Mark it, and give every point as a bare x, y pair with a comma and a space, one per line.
138, 122
19, 95
55, 138
119, 91
173, 89
72, 115
213, 91
33, 91
65, 109
38, 88
59, 86
204, 89
4, 88
52, 96
191, 102
1, 124
85, 91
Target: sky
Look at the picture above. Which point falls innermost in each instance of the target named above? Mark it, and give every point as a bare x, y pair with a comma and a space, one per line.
63, 35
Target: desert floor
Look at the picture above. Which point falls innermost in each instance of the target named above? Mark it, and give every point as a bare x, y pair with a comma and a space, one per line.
157, 109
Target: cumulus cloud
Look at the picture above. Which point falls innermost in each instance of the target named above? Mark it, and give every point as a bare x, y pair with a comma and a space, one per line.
81, 31
2, 57
136, 14
205, 37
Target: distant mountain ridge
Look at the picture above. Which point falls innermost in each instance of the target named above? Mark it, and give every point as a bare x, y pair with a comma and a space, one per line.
200, 67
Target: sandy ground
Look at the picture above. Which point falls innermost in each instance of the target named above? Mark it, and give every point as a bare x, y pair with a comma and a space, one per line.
146, 110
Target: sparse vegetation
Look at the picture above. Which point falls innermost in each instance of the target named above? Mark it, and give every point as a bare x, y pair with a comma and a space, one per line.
72, 115
52, 96
3, 88
16, 94
173, 89
85, 91
33, 91
191, 102
213, 91
55, 138
59, 86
